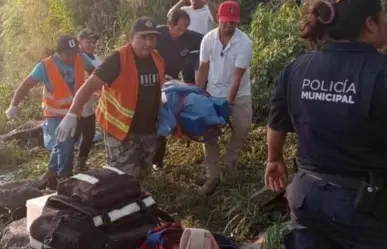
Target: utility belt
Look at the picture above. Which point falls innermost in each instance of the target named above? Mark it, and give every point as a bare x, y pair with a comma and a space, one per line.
371, 191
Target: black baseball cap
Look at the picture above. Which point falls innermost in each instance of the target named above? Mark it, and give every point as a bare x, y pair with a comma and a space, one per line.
67, 44
144, 25
88, 34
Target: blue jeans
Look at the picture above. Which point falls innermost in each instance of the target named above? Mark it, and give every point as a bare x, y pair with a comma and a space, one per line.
62, 156
323, 217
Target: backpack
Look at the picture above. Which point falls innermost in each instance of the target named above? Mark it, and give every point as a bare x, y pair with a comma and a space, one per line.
74, 219
100, 187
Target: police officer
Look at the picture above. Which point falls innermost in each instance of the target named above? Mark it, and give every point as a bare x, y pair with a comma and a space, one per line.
179, 48
335, 100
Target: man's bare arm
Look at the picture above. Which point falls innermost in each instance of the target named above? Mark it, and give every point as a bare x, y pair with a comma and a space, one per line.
213, 10
177, 6
202, 74
23, 90
236, 81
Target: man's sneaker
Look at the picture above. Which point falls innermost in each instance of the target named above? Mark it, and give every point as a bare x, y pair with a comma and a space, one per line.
80, 165
209, 186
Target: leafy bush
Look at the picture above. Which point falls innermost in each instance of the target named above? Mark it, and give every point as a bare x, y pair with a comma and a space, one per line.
276, 42
28, 28
27, 32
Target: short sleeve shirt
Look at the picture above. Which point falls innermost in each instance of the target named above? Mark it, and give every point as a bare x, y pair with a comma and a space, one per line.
201, 19
178, 53
335, 100
223, 60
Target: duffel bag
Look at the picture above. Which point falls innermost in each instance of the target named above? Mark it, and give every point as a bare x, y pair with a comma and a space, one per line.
66, 223
100, 187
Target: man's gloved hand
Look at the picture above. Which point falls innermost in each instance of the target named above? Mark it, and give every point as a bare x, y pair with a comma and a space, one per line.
11, 112
67, 127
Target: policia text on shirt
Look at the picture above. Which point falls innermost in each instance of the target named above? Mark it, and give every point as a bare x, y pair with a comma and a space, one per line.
330, 91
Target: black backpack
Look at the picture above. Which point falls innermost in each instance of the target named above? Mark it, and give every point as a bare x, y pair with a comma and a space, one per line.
116, 214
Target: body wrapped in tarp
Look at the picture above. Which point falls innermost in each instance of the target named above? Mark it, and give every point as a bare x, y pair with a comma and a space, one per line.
191, 109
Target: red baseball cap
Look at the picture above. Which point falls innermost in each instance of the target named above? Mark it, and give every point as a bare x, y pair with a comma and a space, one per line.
229, 11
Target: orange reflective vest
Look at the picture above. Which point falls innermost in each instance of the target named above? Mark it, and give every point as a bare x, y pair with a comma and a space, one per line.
118, 101
57, 102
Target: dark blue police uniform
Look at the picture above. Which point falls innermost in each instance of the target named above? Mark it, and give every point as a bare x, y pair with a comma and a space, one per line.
335, 100
180, 55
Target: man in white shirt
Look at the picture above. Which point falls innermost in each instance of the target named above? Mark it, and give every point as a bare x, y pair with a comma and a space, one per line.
201, 12
225, 56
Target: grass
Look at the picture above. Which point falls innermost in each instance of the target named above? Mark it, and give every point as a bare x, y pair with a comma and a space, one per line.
229, 210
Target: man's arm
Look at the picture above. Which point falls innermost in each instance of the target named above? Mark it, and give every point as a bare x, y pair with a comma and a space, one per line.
276, 176
38, 74
241, 64
213, 10
202, 75
204, 58
23, 90
236, 81
177, 6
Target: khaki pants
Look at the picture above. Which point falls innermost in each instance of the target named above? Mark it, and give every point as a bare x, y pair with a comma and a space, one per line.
241, 119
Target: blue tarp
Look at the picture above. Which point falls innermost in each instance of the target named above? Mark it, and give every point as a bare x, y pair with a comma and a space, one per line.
198, 113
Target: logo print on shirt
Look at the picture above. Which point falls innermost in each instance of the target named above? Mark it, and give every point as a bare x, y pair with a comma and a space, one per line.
72, 43
149, 79
329, 91
184, 52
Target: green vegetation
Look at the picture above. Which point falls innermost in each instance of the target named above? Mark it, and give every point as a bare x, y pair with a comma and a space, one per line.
275, 33
28, 31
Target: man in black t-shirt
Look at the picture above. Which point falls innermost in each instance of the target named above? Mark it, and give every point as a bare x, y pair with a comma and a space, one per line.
128, 110
179, 48
145, 119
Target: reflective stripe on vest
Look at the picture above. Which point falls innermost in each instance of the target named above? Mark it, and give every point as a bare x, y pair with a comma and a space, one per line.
125, 111
120, 125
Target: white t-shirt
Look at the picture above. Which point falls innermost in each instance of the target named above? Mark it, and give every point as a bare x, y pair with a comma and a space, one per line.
201, 19
237, 53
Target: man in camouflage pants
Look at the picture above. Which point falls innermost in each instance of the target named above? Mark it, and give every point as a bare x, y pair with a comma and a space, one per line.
128, 109
129, 156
